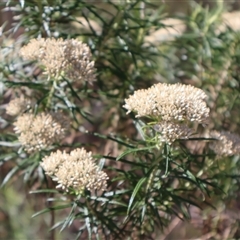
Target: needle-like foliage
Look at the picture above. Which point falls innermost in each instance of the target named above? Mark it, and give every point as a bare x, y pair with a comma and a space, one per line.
116, 132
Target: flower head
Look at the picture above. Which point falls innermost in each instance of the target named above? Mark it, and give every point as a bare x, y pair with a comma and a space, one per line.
18, 106
170, 102
41, 131
34, 50
23, 123
227, 143
172, 106
70, 58
170, 131
76, 170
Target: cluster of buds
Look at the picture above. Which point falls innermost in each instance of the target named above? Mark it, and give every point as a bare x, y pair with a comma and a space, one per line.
18, 106
40, 131
76, 170
69, 58
226, 144
170, 131
173, 105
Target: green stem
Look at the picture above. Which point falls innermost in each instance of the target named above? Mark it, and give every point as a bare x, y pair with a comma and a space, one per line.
151, 178
50, 96
52, 234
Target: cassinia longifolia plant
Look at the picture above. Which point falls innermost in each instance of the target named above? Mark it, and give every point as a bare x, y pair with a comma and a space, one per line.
107, 128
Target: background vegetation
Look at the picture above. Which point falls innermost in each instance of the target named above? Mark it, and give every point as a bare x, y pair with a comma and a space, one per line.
193, 193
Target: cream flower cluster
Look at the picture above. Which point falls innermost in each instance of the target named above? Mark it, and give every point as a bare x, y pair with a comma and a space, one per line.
18, 105
227, 144
171, 131
170, 102
173, 105
76, 170
70, 58
41, 131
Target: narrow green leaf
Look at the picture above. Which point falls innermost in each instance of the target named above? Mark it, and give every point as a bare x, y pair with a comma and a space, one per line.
72, 90
32, 85
9, 175
88, 223
56, 225
116, 139
180, 200
115, 193
144, 208
191, 176
69, 218
7, 157
29, 171
126, 161
135, 191
51, 209
44, 191
41, 212
134, 150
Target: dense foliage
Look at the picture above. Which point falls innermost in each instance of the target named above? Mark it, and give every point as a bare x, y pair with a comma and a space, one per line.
156, 154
